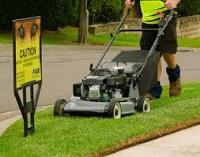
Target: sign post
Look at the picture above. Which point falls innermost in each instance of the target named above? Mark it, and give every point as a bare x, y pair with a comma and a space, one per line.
27, 65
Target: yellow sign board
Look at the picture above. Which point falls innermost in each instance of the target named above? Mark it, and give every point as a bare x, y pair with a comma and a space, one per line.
27, 51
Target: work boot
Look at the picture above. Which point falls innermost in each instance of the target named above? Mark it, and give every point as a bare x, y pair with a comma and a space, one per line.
149, 96
175, 88
155, 92
175, 81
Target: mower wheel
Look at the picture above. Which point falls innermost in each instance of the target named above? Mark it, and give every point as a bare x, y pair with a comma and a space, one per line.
143, 104
58, 107
114, 109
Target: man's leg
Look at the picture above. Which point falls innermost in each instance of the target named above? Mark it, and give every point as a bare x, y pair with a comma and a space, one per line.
147, 40
156, 91
173, 71
170, 59
168, 47
159, 71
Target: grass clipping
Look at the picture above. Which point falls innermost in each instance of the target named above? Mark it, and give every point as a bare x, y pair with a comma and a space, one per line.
98, 136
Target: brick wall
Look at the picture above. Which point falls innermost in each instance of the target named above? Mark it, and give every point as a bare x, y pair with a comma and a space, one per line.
186, 26
189, 26
110, 27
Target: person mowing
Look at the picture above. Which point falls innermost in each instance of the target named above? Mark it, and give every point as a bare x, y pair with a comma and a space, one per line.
150, 11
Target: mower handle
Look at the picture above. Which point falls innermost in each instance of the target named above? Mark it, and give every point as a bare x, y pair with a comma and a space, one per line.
167, 14
162, 28
113, 36
118, 30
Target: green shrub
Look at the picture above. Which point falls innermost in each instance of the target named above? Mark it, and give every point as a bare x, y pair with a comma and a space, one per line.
58, 13
189, 7
105, 10
55, 13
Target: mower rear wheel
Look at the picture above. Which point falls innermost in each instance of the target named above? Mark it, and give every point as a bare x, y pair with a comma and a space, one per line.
143, 104
114, 109
59, 106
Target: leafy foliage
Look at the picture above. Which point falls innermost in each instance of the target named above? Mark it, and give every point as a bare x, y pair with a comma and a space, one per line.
188, 7
105, 10
58, 13
55, 13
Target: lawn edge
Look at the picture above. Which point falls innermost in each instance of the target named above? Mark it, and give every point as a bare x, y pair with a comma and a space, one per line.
147, 137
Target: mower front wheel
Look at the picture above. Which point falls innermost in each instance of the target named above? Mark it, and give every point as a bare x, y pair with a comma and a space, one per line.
114, 109
59, 106
143, 104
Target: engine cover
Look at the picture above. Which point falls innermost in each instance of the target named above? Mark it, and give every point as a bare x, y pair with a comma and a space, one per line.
116, 81
94, 80
94, 92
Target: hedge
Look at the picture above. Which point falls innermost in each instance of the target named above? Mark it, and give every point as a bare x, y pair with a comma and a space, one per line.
105, 10
189, 7
58, 13
55, 13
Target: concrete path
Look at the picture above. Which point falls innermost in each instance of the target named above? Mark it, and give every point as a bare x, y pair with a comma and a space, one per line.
8, 118
184, 143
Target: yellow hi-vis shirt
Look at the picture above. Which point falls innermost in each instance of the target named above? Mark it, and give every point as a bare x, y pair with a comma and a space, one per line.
150, 10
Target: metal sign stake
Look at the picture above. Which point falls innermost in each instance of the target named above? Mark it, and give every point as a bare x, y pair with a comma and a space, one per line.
27, 65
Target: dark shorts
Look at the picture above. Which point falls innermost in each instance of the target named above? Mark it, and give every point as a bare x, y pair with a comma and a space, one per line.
168, 42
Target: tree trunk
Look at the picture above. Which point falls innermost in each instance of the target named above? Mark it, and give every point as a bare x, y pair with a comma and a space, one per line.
83, 22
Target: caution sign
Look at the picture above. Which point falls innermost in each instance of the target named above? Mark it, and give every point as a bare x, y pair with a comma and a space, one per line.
27, 51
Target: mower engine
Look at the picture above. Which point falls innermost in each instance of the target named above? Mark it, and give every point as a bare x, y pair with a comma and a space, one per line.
94, 93
102, 85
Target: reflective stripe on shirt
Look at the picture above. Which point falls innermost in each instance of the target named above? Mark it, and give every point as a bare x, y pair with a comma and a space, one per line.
151, 9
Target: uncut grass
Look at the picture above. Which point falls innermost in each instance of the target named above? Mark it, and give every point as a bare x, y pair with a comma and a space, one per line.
80, 136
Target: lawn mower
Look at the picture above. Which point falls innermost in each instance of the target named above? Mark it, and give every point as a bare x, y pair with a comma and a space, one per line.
117, 87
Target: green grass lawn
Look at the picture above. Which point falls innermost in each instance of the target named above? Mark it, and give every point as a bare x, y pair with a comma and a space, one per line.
68, 35
74, 136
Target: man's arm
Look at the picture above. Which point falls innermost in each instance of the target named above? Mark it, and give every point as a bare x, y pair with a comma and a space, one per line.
171, 4
129, 4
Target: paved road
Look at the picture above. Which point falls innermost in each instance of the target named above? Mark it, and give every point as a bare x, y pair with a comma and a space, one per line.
64, 65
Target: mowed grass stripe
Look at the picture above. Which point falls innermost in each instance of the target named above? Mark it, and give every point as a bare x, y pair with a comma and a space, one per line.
83, 136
